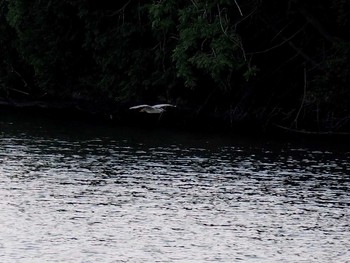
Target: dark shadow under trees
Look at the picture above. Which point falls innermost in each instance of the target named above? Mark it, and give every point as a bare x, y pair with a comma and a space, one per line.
267, 63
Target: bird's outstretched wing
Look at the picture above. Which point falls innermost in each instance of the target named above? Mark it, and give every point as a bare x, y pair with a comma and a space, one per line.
139, 107
158, 106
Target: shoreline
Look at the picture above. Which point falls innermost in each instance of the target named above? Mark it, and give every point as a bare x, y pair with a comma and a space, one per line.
177, 119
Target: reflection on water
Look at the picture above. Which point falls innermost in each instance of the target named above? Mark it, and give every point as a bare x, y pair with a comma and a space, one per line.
78, 194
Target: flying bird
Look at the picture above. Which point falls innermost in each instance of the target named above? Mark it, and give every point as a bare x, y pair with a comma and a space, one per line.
159, 108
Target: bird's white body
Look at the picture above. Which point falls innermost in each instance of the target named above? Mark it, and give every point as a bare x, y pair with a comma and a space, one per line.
159, 108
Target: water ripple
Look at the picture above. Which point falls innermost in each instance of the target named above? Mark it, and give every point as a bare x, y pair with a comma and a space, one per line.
110, 200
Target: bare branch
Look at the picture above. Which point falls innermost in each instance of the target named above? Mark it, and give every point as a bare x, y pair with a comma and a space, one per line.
239, 9
302, 101
278, 33
285, 40
195, 4
291, 44
317, 25
221, 25
121, 10
302, 131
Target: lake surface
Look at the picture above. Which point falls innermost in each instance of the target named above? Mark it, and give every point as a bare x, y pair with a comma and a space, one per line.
74, 192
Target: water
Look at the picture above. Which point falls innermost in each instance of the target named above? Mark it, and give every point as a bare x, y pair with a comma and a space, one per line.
72, 192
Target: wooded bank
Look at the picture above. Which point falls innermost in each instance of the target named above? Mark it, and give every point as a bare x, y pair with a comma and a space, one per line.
266, 63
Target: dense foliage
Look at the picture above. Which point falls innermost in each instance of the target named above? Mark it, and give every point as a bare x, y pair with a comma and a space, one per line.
268, 62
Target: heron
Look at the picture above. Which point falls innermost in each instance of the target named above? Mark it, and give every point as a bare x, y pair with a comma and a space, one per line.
155, 109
